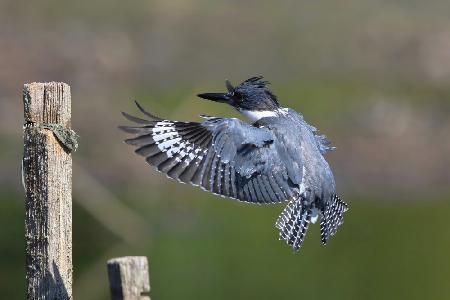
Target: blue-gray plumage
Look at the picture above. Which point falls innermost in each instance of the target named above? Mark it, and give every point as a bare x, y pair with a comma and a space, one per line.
279, 157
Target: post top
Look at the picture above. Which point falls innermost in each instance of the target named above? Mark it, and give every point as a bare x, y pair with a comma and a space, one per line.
47, 103
127, 259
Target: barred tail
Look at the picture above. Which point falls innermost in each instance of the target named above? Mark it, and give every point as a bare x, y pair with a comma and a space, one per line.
293, 223
332, 217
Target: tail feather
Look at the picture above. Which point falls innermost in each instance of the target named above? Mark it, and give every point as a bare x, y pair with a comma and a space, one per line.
332, 217
293, 223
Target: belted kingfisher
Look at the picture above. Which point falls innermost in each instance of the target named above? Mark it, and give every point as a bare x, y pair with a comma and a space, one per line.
277, 158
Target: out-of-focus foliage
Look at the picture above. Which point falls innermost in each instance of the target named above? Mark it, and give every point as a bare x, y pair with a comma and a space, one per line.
371, 75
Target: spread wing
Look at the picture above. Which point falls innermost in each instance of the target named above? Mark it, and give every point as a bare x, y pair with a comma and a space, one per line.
224, 156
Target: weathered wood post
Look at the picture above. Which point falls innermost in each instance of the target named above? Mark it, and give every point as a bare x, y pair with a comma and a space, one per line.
47, 179
129, 278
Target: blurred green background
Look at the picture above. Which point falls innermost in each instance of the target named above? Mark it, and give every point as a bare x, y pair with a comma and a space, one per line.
372, 75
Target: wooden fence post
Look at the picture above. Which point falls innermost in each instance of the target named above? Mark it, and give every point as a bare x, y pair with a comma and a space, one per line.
129, 278
47, 179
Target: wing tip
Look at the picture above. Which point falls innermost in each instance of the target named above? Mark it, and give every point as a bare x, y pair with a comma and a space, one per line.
126, 129
135, 119
141, 108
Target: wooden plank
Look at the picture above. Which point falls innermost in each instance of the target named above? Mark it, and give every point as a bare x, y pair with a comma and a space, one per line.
129, 278
47, 179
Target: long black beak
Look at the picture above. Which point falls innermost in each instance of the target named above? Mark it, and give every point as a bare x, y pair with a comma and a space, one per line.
217, 97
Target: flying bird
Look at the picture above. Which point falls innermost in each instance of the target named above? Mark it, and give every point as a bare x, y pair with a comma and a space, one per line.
278, 157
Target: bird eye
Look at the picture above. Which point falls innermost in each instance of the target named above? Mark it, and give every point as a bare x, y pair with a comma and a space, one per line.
237, 96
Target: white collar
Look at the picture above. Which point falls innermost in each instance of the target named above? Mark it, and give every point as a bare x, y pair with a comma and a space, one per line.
255, 115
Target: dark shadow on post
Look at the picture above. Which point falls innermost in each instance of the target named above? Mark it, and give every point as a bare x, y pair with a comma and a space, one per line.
52, 285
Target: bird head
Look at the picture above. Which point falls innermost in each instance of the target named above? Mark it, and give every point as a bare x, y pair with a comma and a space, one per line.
250, 97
